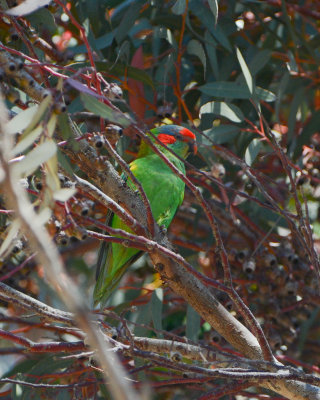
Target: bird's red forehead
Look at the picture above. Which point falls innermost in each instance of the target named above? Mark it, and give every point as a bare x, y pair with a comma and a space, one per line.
185, 132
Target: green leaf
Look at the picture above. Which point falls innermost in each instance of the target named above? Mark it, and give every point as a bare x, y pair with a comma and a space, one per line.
122, 69
201, 11
266, 95
252, 151
281, 90
97, 107
292, 64
17, 392
128, 20
309, 129
230, 90
210, 45
156, 309
43, 19
193, 324
179, 7
259, 61
221, 37
230, 111
221, 134
234, 90
195, 48
22, 366
104, 41
245, 71
64, 126
143, 316
45, 365
63, 394
213, 4
64, 162
298, 98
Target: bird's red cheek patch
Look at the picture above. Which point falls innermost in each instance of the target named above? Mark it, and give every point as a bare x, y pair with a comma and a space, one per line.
166, 139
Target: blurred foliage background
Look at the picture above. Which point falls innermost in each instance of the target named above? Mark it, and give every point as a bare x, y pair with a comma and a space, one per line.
244, 77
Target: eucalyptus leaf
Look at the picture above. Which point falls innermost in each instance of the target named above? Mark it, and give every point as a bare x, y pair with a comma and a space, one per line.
97, 107
27, 7
245, 71
11, 234
156, 308
128, 20
195, 48
23, 144
213, 4
193, 324
221, 134
230, 111
309, 129
64, 194
252, 151
21, 120
179, 7
35, 158
234, 90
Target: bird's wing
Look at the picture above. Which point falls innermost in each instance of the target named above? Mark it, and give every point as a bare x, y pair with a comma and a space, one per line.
165, 192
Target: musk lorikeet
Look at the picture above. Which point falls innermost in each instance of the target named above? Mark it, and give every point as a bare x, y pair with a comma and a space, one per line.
165, 192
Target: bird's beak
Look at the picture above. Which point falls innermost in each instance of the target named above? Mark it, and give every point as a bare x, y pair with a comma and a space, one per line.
193, 148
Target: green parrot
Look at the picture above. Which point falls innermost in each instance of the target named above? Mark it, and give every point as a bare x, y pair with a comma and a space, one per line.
165, 192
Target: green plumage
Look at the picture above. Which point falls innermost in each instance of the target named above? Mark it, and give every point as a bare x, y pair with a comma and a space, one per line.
165, 192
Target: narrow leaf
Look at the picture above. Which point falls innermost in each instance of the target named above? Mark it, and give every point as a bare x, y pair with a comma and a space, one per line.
35, 158
213, 4
179, 7
193, 324
245, 71
12, 233
44, 215
27, 7
52, 179
81, 87
252, 151
22, 120
195, 48
156, 308
210, 45
64, 194
231, 90
42, 108
51, 126
27, 141
234, 90
128, 20
221, 134
308, 130
259, 61
94, 105
266, 95
229, 111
